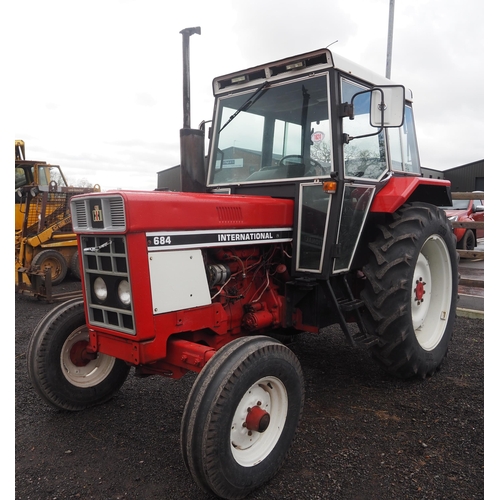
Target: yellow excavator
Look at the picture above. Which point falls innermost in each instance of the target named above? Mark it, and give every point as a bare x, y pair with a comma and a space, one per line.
46, 247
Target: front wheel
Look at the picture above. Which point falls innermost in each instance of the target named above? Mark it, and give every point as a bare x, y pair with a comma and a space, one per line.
412, 289
61, 369
241, 416
75, 266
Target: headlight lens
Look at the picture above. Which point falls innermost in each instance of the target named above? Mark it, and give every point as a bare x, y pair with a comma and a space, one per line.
100, 290
453, 219
124, 292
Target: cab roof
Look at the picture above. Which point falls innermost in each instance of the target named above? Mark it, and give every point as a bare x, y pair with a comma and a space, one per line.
306, 63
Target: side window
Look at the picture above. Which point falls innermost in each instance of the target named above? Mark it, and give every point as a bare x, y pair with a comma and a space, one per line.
321, 146
42, 176
364, 157
21, 179
403, 145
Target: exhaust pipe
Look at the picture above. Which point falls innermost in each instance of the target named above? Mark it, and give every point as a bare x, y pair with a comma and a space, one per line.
192, 140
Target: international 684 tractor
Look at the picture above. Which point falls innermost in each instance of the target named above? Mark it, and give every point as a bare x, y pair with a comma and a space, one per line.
309, 210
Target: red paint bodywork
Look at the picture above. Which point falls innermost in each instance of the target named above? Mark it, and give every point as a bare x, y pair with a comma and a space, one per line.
175, 342
146, 211
208, 327
399, 189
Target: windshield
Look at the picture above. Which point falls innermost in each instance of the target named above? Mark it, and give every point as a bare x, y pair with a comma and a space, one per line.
272, 133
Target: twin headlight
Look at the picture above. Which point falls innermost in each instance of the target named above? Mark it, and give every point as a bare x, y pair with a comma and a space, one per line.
123, 291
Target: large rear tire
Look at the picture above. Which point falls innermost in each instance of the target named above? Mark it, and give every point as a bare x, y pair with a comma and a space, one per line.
241, 416
61, 370
412, 289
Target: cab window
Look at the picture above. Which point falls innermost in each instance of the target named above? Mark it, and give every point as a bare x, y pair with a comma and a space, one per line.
364, 157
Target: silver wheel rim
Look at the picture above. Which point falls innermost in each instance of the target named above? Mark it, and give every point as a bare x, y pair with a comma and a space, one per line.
431, 293
87, 374
251, 447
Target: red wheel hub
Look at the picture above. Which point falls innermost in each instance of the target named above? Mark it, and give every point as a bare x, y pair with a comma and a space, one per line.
79, 355
419, 290
257, 419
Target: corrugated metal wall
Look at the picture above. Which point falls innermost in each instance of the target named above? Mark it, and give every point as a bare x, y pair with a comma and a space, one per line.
465, 178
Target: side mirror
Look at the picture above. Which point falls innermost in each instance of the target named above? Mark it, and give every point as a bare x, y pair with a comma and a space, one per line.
387, 106
385, 103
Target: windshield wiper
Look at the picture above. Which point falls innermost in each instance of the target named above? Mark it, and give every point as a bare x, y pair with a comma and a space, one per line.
249, 102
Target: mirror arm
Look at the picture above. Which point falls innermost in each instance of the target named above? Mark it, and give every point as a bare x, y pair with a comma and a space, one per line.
347, 138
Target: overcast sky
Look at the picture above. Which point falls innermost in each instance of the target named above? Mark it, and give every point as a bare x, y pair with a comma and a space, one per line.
98, 84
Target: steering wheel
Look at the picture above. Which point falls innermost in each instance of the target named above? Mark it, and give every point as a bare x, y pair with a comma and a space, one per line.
314, 167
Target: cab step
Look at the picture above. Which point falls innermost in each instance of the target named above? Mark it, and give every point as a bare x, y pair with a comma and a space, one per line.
350, 305
365, 339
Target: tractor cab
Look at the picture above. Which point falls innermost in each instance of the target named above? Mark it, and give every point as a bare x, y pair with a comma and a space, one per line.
308, 118
317, 129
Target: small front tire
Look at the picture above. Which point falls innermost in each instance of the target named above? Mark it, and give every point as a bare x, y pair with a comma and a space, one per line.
75, 266
61, 370
241, 416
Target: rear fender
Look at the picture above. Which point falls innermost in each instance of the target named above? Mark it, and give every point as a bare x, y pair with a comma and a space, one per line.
400, 190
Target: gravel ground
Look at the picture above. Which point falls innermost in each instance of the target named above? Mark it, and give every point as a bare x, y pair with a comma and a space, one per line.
364, 435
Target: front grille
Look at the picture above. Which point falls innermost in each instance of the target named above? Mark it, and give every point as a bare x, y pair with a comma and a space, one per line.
106, 257
110, 209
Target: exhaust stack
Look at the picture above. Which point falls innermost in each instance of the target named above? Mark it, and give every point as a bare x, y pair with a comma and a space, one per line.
192, 141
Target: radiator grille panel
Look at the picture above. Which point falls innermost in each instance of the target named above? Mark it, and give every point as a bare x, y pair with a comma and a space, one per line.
105, 263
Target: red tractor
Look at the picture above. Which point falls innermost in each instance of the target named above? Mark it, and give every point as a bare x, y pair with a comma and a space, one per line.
310, 210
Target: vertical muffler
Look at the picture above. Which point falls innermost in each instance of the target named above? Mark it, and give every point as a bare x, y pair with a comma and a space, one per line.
192, 141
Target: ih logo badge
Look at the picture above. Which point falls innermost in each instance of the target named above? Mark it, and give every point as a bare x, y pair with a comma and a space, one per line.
97, 214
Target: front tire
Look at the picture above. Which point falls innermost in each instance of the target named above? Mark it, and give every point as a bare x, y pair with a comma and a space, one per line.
412, 289
241, 416
75, 266
61, 370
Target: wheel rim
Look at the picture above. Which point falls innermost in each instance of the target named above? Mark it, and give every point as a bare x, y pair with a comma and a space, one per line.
54, 266
78, 366
431, 293
265, 402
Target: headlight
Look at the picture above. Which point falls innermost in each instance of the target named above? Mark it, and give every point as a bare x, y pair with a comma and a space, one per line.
100, 290
453, 219
124, 292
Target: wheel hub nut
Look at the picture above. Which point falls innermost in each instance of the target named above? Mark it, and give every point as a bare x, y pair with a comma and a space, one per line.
257, 419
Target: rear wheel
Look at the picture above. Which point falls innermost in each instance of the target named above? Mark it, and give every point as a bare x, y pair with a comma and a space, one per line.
61, 369
241, 416
53, 260
411, 292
